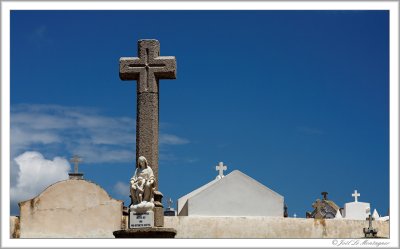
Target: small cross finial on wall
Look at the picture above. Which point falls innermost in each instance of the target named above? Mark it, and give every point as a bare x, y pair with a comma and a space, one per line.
169, 203
76, 160
75, 175
220, 168
355, 195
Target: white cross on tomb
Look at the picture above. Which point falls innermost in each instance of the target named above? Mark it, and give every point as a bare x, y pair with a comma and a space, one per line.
220, 167
169, 203
355, 195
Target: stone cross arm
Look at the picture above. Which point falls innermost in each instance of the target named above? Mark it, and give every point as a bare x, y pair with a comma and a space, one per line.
148, 68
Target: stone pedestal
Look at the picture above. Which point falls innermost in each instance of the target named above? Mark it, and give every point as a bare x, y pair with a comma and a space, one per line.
158, 209
141, 220
170, 212
151, 232
75, 176
139, 226
158, 217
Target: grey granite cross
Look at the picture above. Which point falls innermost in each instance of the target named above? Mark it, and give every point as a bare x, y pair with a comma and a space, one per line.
147, 69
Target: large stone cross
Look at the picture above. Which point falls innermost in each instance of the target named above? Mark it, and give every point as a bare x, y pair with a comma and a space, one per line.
147, 69
355, 195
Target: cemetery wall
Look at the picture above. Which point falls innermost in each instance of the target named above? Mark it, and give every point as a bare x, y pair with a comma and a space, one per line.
259, 227
269, 227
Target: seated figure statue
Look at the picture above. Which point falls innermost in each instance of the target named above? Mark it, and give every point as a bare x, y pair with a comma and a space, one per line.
142, 187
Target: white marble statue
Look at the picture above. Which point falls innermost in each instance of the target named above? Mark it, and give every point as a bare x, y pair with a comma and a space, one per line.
142, 187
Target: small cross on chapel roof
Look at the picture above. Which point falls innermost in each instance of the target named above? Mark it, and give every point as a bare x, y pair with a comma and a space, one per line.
220, 167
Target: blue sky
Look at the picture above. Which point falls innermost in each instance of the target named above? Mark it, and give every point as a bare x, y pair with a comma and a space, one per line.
298, 100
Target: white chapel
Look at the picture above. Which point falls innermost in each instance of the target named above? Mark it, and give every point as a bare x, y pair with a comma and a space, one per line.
235, 194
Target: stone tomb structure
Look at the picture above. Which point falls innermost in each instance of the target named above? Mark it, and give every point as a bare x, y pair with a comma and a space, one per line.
71, 209
324, 209
170, 211
235, 194
356, 210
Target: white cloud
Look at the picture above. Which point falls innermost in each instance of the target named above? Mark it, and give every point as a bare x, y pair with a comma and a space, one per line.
23, 137
36, 173
84, 131
121, 188
102, 154
59, 130
172, 139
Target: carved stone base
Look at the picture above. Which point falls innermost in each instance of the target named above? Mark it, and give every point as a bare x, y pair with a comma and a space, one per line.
158, 210
151, 232
158, 217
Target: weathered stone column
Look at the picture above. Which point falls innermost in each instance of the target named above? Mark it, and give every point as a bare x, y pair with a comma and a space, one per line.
147, 129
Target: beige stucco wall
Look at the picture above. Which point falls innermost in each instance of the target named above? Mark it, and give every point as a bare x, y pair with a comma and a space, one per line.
71, 209
259, 227
269, 227
14, 227
81, 209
